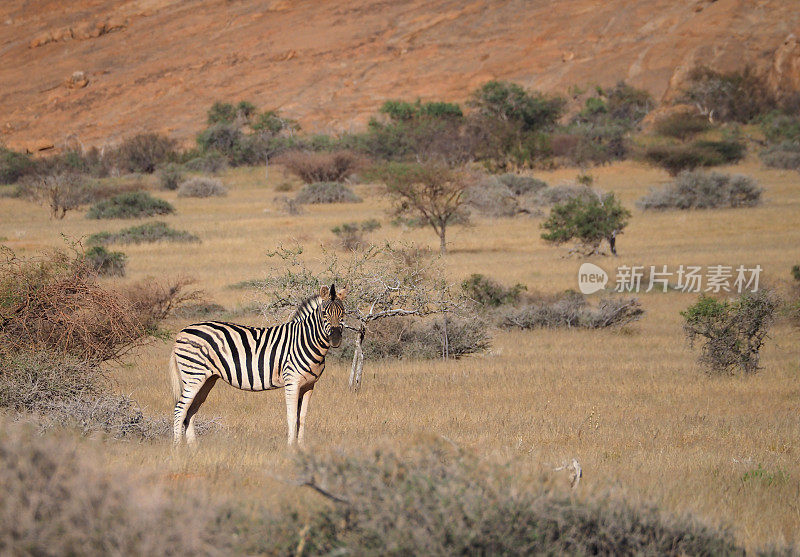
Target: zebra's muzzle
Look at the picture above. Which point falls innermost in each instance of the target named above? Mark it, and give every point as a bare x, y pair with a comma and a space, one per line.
336, 337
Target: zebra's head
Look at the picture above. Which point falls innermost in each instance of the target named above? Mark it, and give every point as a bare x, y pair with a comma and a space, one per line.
332, 313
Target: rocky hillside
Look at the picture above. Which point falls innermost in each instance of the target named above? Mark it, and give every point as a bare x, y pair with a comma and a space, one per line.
94, 71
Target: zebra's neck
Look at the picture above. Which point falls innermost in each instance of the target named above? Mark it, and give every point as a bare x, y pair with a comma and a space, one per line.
309, 318
306, 308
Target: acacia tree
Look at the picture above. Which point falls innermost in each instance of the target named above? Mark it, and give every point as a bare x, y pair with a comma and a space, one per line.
60, 192
587, 219
382, 282
431, 192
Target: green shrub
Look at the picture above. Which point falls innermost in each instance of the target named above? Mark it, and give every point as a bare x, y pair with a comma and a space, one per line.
682, 125
202, 187
700, 190
170, 176
785, 155
14, 166
723, 151
404, 111
674, 158
211, 162
221, 113
327, 192
489, 293
106, 263
677, 158
509, 102
589, 220
221, 138
732, 332
145, 233
130, 206
144, 152
779, 127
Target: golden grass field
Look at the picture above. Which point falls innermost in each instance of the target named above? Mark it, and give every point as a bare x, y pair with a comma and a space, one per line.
632, 405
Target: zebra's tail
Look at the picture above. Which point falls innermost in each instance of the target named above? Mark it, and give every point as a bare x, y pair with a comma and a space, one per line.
175, 377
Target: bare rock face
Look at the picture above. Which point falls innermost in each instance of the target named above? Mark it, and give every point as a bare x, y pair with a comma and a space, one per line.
784, 74
331, 65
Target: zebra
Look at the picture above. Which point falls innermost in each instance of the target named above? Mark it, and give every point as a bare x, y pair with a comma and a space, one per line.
291, 356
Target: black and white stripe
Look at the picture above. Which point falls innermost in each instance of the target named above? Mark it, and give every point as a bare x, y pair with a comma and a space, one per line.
289, 356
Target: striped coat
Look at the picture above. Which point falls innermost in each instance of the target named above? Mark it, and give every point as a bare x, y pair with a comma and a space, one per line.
289, 356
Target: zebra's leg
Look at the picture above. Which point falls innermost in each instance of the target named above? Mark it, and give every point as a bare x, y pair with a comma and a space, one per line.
199, 399
304, 401
189, 391
292, 409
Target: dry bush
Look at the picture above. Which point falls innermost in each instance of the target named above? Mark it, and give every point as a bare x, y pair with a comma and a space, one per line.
785, 155
144, 152
314, 167
700, 190
288, 205
415, 339
565, 192
153, 300
199, 310
67, 191
522, 185
60, 192
327, 192
571, 310
491, 197
202, 187
442, 501
351, 234
54, 302
58, 499
64, 391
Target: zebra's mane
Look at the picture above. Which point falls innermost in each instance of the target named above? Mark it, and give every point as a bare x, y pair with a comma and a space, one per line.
306, 307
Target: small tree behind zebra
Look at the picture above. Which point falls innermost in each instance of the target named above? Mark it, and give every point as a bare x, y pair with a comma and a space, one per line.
383, 282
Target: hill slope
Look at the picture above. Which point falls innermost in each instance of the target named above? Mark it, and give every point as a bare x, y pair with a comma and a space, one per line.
158, 64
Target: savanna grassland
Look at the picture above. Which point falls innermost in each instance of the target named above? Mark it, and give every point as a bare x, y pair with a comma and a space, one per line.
632, 404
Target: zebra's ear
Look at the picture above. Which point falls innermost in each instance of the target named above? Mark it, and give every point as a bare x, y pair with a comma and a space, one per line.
342, 294
323, 292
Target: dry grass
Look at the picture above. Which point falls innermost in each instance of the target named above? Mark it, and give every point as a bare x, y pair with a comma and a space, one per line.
632, 405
